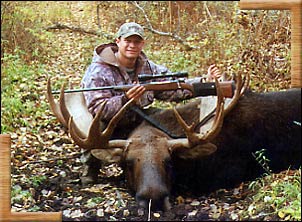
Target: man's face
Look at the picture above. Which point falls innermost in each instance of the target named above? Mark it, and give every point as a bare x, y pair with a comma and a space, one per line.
131, 46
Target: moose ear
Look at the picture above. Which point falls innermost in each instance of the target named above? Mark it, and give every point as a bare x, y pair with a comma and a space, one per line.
195, 152
111, 155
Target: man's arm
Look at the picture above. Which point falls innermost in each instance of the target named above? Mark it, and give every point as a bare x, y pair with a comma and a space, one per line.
99, 75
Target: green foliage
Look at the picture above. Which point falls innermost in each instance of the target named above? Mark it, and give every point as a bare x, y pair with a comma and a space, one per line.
60, 162
21, 29
279, 196
24, 197
55, 11
19, 97
262, 160
92, 202
35, 208
37, 180
18, 195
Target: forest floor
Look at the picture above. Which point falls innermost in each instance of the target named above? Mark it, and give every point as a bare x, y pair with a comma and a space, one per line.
109, 199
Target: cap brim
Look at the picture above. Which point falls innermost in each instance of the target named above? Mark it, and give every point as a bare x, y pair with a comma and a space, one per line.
132, 33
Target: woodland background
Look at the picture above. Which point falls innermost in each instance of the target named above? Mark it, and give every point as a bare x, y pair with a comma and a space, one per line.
56, 39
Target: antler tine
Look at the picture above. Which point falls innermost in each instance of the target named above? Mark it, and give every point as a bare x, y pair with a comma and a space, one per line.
246, 83
55, 108
187, 129
65, 113
97, 138
114, 121
218, 121
94, 135
240, 88
194, 138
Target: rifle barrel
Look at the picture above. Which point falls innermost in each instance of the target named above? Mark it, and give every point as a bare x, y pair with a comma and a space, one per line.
118, 87
93, 89
142, 77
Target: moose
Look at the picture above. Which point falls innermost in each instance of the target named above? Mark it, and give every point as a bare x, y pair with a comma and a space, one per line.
215, 152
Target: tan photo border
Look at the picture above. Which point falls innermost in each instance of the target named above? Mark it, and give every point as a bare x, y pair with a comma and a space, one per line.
5, 140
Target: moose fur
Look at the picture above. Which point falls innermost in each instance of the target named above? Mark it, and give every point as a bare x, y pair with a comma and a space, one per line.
156, 165
258, 121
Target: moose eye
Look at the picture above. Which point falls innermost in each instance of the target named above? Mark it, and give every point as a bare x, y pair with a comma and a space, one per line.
129, 163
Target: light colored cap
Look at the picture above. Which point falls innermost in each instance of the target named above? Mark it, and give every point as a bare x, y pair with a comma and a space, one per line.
130, 28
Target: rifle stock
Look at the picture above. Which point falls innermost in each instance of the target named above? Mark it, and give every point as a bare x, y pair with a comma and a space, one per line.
198, 89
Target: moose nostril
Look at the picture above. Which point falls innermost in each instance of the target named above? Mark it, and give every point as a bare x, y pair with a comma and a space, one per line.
166, 204
156, 200
142, 203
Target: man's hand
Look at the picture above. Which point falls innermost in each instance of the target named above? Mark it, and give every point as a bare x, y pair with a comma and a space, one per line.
213, 71
135, 92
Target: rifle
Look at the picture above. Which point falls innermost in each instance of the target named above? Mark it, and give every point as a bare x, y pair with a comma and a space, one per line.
198, 89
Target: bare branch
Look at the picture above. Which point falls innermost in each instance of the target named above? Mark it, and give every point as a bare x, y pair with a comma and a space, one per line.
78, 29
170, 34
207, 9
98, 15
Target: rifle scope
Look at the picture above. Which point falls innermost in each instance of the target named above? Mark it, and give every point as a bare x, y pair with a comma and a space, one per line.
146, 77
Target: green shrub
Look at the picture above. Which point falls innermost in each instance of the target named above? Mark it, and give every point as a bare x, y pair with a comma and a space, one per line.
20, 94
21, 29
276, 195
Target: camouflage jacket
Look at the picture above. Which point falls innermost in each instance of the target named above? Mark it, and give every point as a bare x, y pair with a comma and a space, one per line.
105, 71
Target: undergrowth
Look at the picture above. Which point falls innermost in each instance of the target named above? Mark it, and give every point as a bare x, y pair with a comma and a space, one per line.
21, 99
277, 195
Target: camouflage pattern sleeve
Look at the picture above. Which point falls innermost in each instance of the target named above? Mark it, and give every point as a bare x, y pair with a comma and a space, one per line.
98, 75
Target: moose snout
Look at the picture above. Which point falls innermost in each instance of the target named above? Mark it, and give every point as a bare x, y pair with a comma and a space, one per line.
158, 199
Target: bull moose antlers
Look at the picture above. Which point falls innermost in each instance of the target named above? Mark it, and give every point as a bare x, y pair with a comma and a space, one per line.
73, 113
86, 131
193, 138
97, 138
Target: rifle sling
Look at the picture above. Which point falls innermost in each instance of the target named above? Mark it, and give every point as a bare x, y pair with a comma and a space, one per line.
158, 126
205, 120
153, 122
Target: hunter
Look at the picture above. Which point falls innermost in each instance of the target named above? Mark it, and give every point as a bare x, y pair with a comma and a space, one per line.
120, 63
